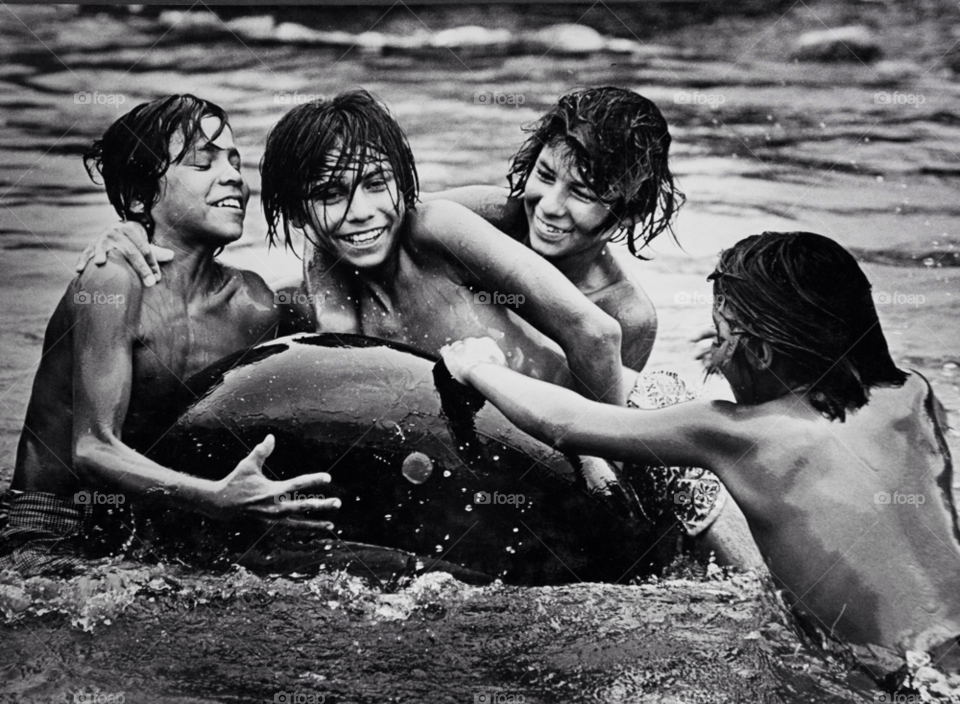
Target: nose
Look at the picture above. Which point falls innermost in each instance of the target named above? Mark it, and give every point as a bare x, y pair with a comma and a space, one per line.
554, 201
230, 175
361, 207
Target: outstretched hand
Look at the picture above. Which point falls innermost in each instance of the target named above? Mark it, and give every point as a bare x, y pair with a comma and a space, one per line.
130, 240
245, 492
461, 356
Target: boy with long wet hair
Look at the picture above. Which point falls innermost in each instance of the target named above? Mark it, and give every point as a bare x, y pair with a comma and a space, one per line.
593, 170
116, 353
298, 150
380, 264
133, 155
618, 143
836, 456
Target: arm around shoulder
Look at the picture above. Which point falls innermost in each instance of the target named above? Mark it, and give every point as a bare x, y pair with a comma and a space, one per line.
589, 337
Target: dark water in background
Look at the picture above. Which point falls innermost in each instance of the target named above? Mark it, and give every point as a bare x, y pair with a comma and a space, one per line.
760, 143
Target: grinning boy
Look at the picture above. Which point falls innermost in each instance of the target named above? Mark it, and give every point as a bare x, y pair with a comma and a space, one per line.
825, 427
424, 274
594, 170
115, 353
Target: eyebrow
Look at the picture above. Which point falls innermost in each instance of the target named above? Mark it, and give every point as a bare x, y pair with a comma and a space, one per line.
211, 148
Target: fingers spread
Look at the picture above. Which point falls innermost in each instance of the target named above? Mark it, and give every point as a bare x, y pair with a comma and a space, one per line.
262, 451
305, 524
307, 482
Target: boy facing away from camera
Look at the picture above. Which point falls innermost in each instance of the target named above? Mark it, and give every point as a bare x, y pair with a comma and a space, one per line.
836, 457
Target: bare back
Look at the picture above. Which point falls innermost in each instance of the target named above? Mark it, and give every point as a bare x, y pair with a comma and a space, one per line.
855, 519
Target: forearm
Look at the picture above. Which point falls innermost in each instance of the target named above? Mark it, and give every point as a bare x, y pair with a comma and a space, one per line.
111, 464
571, 423
539, 408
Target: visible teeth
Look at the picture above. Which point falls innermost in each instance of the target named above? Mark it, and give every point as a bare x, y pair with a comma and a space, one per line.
550, 228
365, 237
229, 203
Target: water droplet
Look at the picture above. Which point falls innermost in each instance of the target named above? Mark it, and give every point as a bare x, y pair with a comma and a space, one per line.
468, 507
446, 472
417, 468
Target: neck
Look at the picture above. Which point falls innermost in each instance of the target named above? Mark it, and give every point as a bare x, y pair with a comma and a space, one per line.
193, 270
586, 270
768, 385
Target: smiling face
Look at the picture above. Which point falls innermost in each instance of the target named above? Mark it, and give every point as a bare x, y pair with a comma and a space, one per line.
357, 211
203, 197
564, 216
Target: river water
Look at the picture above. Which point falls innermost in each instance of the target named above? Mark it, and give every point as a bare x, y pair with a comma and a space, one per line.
864, 153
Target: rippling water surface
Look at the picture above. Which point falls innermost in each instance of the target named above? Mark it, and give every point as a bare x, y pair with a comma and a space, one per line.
760, 143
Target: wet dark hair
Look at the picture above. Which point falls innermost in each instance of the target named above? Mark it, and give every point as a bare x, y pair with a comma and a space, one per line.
619, 143
354, 123
134, 153
806, 296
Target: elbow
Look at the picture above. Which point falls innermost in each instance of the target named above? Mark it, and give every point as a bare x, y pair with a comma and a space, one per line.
88, 457
602, 334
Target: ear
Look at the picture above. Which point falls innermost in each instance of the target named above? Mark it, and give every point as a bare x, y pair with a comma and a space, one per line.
627, 223
759, 353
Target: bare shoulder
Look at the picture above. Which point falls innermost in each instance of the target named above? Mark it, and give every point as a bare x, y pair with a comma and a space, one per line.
117, 276
252, 284
625, 300
109, 292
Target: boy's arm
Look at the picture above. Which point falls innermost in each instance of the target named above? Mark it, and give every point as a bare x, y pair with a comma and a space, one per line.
103, 338
590, 338
492, 203
696, 433
332, 292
